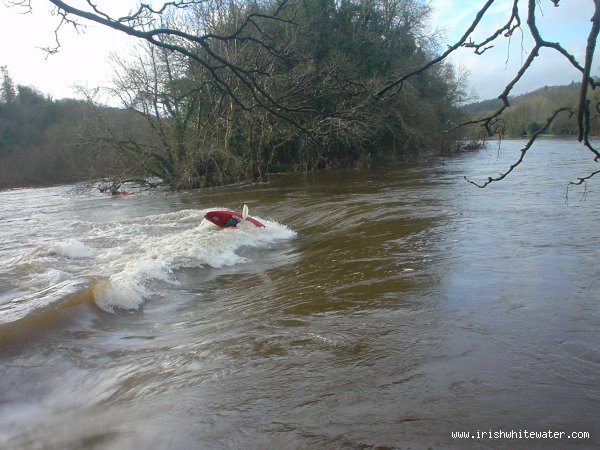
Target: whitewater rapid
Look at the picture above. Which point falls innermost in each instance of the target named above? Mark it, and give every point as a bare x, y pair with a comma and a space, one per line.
120, 261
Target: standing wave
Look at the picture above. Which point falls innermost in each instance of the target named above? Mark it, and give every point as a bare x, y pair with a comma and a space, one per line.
120, 263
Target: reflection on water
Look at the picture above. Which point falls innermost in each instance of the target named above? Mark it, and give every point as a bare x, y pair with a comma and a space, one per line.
407, 305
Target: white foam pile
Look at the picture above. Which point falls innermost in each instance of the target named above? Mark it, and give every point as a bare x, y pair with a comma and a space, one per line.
70, 248
131, 257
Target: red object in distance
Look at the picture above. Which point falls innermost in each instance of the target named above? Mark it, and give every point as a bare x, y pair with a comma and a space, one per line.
116, 194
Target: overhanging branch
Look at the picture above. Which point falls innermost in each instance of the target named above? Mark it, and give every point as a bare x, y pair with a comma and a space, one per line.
523, 151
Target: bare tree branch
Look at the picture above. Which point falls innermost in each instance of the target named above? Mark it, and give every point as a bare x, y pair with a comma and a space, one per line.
507, 30
451, 49
134, 25
489, 122
584, 179
523, 151
579, 182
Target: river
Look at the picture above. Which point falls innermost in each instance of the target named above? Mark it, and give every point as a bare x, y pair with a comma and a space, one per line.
377, 309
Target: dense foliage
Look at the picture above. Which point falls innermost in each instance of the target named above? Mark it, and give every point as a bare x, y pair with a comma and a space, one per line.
323, 61
310, 106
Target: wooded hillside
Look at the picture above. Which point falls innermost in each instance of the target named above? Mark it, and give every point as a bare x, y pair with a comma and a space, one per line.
45, 141
528, 112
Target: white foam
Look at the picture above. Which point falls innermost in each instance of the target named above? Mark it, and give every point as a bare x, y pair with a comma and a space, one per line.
132, 257
128, 288
154, 259
71, 248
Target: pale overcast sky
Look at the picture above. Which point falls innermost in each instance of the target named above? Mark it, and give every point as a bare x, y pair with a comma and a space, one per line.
83, 58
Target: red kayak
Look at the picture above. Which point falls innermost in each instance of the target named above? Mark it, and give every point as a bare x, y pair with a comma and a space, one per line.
117, 194
230, 219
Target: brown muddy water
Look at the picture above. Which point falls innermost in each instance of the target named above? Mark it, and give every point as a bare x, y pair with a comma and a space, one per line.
377, 309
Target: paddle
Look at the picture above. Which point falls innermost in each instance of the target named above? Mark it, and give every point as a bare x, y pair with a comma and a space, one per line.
246, 218
244, 215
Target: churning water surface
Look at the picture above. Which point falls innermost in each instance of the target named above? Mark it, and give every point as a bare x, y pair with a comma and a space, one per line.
377, 309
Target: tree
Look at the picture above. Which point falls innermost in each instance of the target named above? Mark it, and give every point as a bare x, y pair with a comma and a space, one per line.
259, 27
7, 92
184, 143
234, 89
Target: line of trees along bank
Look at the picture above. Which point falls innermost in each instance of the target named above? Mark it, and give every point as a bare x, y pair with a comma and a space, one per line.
528, 112
304, 101
45, 141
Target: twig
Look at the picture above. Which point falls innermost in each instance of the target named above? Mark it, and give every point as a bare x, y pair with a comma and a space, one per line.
523, 151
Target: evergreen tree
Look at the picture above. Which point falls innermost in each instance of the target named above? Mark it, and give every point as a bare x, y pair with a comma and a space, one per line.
7, 93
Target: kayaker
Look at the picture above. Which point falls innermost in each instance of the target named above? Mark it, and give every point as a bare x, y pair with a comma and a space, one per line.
231, 222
